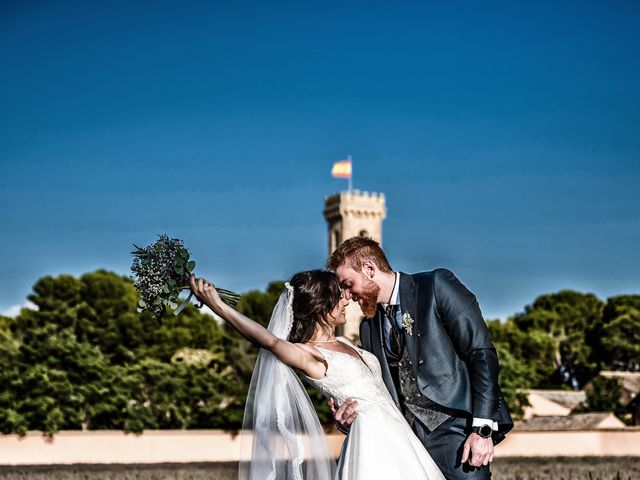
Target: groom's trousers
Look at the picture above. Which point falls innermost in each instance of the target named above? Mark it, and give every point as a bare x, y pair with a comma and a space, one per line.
445, 445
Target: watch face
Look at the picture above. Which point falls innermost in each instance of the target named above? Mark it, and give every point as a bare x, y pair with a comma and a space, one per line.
486, 431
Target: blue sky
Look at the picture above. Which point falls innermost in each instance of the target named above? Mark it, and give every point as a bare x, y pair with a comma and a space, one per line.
505, 136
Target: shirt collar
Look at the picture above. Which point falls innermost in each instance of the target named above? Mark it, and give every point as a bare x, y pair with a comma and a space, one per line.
395, 294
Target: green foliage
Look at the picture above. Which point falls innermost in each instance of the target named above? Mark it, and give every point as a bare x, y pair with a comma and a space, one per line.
603, 395
568, 319
258, 305
54, 382
563, 340
516, 374
88, 360
534, 349
617, 338
5, 329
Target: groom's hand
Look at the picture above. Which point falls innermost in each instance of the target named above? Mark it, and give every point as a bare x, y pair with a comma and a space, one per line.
477, 450
346, 414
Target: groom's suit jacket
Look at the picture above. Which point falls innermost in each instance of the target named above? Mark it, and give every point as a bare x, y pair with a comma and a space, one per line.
450, 349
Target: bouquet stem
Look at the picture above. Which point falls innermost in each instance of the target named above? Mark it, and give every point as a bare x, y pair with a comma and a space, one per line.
227, 296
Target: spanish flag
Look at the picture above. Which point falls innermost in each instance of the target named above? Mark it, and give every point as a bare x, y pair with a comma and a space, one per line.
342, 169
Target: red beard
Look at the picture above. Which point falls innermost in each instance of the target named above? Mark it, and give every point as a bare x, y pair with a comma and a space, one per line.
369, 297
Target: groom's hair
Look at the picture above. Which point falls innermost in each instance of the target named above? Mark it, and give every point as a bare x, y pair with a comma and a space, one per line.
354, 251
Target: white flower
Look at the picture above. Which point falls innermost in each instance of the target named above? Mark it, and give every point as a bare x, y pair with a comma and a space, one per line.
407, 323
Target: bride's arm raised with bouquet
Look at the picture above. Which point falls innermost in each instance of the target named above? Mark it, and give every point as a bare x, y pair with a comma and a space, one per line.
278, 412
294, 355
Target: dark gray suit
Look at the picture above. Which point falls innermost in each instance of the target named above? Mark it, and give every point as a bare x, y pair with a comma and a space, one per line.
454, 362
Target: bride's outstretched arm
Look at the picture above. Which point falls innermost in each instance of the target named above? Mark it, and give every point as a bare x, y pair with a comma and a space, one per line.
288, 353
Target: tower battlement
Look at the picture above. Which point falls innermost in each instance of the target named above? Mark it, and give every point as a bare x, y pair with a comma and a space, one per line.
356, 203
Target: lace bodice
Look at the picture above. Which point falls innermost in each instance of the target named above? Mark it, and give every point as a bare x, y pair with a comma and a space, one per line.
380, 443
350, 377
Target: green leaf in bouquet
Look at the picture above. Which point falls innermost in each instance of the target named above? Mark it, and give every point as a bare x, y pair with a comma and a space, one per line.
183, 253
158, 301
166, 288
138, 250
141, 303
171, 282
191, 265
178, 269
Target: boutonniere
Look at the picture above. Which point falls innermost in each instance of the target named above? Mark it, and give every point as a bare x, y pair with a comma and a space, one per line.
407, 323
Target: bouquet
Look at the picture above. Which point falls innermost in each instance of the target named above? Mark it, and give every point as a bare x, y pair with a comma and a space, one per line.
161, 271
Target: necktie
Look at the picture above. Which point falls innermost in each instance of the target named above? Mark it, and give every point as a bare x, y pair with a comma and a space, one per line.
396, 336
391, 310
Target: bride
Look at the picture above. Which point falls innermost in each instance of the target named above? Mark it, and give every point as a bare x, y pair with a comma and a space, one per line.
287, 441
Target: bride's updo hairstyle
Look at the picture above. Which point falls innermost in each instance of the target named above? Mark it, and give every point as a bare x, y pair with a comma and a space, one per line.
315, 294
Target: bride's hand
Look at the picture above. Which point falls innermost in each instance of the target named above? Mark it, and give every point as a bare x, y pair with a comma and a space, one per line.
205, 291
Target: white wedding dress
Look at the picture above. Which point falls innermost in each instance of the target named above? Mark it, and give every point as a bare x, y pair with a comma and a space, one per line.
380, 443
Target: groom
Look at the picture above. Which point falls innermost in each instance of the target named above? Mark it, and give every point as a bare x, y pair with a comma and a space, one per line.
436, 354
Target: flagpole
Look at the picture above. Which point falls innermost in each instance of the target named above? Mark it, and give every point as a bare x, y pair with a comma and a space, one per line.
350, 176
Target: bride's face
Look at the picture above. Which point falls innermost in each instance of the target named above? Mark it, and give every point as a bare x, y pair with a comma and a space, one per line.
337, 315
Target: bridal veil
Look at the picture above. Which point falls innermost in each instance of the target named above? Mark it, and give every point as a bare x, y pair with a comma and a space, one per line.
281, 436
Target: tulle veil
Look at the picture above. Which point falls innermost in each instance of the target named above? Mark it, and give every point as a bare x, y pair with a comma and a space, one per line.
281, 437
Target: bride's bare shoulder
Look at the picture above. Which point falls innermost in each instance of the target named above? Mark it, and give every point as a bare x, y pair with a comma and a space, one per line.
347, 340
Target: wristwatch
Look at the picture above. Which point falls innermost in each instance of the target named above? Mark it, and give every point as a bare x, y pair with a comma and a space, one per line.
484, 431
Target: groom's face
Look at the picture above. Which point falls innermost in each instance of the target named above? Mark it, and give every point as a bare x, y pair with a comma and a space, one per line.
361, 288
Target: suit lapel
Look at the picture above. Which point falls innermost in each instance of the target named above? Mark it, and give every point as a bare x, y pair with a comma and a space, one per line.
377, 346
408, 300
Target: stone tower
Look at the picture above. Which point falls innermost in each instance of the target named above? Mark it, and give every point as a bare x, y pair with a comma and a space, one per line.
351, 214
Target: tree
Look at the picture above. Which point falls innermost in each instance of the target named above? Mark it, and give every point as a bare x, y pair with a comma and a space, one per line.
11, 420
87, 359
258, 305
524, 361
568, 319
603, 395
54, 382
617, 339
5, 329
